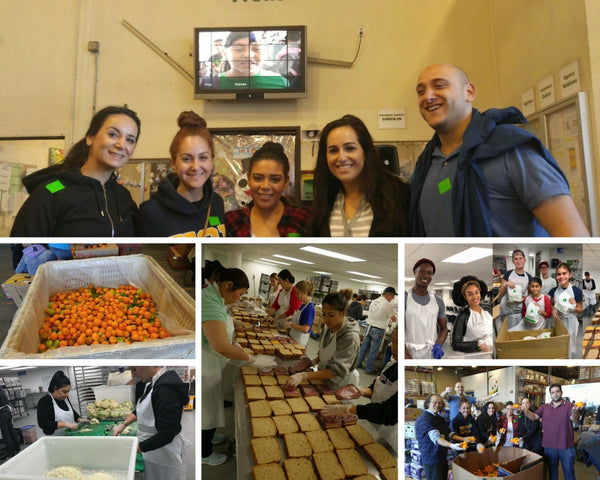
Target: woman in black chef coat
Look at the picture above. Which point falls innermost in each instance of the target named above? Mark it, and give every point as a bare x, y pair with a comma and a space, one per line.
55, 414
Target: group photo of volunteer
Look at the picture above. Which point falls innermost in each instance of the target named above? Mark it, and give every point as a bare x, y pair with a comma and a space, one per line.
502, 301
531, 422
299, 345
77, 412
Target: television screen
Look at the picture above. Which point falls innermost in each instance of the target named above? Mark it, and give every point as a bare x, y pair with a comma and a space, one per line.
250, 62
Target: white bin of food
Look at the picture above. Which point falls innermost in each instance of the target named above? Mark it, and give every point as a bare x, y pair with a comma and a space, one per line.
175, 308
115, 456
120, 393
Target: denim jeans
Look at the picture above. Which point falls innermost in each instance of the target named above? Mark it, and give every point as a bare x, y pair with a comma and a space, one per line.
566, 456
371, 342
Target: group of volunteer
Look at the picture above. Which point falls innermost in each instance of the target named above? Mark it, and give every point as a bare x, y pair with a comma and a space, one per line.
158, 410
290, 308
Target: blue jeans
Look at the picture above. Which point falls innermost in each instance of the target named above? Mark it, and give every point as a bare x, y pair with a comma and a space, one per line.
371, 342
566, 456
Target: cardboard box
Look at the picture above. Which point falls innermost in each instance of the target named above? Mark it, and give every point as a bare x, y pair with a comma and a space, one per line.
530, 467
98, 250
16, 287
175, 308
512, 345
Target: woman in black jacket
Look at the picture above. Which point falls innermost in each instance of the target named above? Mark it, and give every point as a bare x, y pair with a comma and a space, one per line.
54, 411
486, 425
473, 329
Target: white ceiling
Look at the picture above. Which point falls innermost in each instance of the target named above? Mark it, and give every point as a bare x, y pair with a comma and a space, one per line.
380, 259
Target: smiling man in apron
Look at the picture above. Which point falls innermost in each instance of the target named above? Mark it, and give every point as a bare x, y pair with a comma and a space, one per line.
158, 413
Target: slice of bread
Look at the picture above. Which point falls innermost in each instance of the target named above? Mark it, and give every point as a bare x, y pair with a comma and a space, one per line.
315, 403
328, 466
360, 435
297, 445
340, 439
274, 392
268, 471
263, 427
281, 378
352, 463
259, 408
280, 407
307, 422
319, 441
268, 380
248, 370
299, 469
298, 405
266, 450
285, 424
255, 393
389, 473
330, 399
252, 380
380, 456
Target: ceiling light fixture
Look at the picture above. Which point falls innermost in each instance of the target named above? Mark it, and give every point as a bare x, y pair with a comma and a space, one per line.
329, 253
362, 274
469, 255
292, 259
369, 282
271, 263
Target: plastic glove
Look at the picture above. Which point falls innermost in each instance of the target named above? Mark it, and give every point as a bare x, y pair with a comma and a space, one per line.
521, 442
295, 379
457, 446
495, 394
438, 351
286, 324
335, 410
83, 420
118, 429
71, 426
497, 442
448, 389
251, 359
480, 447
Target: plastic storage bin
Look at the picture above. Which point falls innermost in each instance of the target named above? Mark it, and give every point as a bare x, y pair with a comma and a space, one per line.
174, 306
111, 454
120, 393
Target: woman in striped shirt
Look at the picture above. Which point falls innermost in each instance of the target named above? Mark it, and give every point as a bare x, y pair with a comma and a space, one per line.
354, 196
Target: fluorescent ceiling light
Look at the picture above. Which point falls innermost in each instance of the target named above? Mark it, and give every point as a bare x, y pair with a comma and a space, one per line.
274, 261
292, 259
329, 253
322, 273
22, 368
362, 274
469, 255
441, 283
370, 282
270, 263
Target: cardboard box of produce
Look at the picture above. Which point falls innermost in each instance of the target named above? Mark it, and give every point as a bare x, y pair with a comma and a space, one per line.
526, 465
16, 287
93, 250
175, 308
512, 345
91, 454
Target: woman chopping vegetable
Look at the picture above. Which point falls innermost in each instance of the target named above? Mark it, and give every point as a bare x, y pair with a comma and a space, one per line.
158, 413
338, 346
55, 414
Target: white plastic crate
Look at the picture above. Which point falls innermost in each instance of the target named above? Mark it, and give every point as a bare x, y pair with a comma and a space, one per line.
115, 455
120, 393
174, 306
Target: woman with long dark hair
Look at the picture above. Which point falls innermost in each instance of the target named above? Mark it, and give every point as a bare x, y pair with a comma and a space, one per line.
354, 196
486, 426
287, 301
54, 411
81, 196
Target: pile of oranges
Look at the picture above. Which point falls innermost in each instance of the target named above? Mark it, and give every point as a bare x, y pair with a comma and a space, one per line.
100, 316
490, 470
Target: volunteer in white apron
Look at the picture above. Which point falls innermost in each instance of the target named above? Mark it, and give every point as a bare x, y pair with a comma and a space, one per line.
217, 347
513, 291
567, 301
158, 414
55, 414
300, 323
473, 328
537, 308
382, 411
338, 346
287, 301
275, 289
589, 293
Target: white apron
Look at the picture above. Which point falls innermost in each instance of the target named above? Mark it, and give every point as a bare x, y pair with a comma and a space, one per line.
325, 353
301, 338
283, 299
589, 296
512, 309
61, 415
164, 463
213, 410
421, 326
539, 321
569, 319
480, 328
381, 392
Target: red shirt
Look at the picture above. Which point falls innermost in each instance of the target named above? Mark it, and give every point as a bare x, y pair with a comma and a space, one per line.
292, 223
557, 425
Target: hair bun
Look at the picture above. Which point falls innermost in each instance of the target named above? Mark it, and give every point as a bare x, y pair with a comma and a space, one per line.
190, 119
273, 147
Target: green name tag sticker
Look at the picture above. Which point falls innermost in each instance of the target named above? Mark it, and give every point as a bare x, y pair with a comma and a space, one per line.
294, 235
214, 221
444, 185
55, 186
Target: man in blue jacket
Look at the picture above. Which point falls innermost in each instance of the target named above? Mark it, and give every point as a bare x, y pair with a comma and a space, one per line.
480, 175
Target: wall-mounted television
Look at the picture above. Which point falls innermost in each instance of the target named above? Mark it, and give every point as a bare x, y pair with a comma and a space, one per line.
250, 63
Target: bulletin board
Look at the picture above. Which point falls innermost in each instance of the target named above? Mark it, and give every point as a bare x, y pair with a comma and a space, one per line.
564, 130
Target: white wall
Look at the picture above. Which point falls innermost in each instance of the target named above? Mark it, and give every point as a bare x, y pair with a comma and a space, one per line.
483, 384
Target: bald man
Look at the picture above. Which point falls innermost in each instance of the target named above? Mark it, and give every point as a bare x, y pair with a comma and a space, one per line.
480, 175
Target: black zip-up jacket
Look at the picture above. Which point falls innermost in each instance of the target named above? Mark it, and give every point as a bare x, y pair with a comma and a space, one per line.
168, 214
169, 396
45, 413
66, 203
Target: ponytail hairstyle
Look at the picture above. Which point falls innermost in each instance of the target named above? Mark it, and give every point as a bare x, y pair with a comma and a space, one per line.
234, 275
59, 380
286, 275
306, 287
79, 152
191, 125
271, 151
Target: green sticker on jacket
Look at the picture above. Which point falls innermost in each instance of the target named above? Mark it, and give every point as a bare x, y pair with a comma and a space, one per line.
55, 186
214, 221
